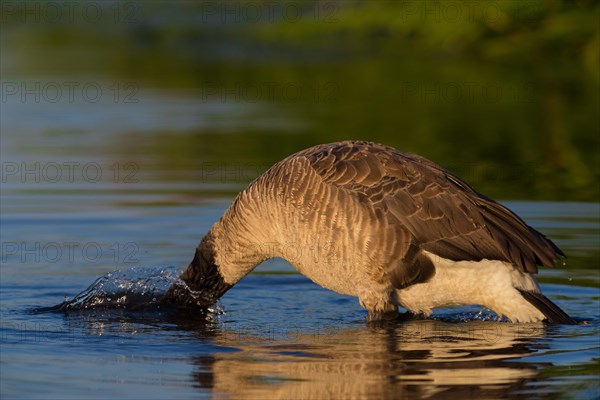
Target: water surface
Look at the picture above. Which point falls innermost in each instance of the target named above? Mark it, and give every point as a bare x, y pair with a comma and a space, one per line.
135, 177
276, 334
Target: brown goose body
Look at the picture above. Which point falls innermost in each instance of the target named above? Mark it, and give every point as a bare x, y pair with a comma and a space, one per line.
392, 228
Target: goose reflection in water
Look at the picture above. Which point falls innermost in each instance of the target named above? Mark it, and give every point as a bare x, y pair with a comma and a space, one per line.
422, 358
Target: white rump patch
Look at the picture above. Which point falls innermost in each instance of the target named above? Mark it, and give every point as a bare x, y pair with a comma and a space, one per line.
489, 283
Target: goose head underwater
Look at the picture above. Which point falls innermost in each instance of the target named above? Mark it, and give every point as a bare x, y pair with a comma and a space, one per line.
391, 228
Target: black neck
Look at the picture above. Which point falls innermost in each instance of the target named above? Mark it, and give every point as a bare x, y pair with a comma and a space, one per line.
202, 275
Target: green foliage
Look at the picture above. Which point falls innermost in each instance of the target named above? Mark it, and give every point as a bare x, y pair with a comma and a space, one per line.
505, 93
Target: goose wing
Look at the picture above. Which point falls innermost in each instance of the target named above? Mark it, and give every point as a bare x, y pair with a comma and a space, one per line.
441, 213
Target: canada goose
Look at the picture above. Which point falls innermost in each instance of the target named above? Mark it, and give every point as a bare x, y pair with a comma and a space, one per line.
391, 228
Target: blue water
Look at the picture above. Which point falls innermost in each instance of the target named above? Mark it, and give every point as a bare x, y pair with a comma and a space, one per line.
275, 334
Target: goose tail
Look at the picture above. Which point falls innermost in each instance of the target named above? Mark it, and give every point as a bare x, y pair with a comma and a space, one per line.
553, 313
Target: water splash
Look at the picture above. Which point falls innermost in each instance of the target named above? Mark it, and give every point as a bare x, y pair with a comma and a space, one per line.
134, 289
481, 314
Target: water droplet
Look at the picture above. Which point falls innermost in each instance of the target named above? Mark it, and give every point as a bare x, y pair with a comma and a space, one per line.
564, 263
128, 287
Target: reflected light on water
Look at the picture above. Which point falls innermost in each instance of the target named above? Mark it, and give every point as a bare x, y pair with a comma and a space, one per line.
420, 358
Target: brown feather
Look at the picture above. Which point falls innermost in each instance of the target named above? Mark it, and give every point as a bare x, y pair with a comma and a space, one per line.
440, 212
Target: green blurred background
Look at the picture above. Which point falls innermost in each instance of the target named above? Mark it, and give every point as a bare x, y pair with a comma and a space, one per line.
503, 93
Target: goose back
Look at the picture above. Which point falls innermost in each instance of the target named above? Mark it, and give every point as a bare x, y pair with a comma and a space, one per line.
344, 210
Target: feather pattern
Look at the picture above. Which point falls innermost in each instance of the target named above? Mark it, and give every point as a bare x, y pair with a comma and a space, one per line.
438, 211
371, 221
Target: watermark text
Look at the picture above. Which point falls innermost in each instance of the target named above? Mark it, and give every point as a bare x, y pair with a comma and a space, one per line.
68, 172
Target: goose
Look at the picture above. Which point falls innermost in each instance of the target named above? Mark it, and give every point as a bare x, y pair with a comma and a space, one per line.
391, 228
